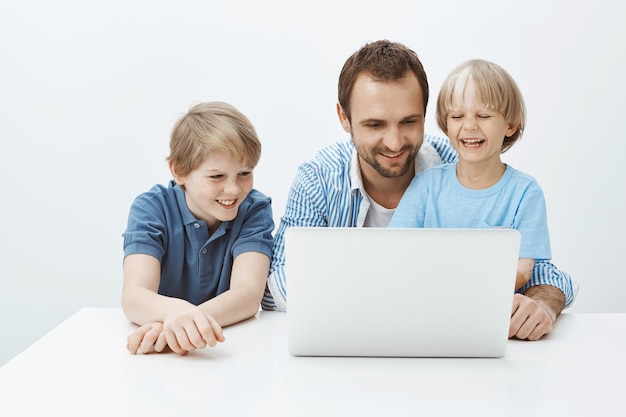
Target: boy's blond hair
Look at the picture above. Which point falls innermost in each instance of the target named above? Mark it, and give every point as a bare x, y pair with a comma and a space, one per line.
496, 88
212, 127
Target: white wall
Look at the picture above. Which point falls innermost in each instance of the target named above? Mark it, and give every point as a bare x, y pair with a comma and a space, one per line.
89, 92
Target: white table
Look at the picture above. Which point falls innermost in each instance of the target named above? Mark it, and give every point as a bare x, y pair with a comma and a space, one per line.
82, 368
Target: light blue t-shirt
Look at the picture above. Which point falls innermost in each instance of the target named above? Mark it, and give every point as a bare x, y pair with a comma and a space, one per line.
195, 266
436, 199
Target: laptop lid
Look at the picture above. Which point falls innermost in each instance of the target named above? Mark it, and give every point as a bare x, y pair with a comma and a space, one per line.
400, 292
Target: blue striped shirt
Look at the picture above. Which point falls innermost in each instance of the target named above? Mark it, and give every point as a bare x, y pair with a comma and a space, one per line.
328, 192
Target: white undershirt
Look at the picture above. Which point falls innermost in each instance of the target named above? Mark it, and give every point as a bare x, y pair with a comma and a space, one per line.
377, 215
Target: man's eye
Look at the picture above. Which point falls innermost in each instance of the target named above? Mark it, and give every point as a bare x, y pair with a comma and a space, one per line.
374, 125
216, 177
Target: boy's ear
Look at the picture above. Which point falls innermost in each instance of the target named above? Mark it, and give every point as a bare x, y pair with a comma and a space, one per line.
511, 129
177, 177
343, 119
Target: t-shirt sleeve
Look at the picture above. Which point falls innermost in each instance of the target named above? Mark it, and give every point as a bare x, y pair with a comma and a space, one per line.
531, 221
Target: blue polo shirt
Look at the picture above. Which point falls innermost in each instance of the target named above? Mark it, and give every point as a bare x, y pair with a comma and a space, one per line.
195, 266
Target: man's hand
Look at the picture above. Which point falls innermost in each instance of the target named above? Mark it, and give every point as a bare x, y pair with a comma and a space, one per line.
535, 312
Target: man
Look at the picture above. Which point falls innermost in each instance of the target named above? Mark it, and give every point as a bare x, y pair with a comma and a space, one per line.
383, 94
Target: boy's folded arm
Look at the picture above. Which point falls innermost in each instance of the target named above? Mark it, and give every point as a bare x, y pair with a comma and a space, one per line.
247, 284
140, 299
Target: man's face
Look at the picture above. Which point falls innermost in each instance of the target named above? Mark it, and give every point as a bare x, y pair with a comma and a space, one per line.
387, 125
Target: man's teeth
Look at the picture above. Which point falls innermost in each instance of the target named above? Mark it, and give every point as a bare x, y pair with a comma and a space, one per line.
226, 202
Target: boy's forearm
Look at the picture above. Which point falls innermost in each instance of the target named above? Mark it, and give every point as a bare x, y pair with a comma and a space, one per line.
233, 306
142, 306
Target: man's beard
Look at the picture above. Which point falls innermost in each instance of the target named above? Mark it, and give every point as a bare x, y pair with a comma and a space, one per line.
370, 159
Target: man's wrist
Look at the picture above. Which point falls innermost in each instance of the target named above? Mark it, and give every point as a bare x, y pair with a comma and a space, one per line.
549, 297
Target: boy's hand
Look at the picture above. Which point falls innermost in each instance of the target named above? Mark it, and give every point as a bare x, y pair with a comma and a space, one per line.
148, 338
191, 329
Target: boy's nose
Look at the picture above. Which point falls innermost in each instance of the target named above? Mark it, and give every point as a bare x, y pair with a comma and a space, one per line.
232, 187
470, 123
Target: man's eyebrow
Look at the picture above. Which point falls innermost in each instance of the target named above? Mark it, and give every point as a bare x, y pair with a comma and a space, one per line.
371, 120
414, 116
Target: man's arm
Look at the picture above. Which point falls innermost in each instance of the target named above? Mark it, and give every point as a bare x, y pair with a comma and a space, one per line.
443, 147
538, 303
300, 211
546, 273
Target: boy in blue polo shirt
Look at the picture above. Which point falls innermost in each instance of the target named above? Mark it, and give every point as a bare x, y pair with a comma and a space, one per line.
197, 252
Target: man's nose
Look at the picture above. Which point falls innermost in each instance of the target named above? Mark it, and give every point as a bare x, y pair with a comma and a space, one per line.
393, 139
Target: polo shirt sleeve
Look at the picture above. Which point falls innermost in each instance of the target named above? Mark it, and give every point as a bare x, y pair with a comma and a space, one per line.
146, 229
256, 227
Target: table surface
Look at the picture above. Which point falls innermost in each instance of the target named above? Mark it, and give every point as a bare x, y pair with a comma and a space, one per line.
82, 368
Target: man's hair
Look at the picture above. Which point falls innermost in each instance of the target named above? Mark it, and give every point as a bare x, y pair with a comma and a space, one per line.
383, 61
496, 89
212, 127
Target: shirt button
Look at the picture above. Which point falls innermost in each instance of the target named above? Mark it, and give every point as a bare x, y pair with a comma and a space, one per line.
204, 251
196, 225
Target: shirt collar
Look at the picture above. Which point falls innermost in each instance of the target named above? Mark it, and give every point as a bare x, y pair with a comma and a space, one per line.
186, 214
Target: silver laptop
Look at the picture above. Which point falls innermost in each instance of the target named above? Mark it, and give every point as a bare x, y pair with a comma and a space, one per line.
400, 292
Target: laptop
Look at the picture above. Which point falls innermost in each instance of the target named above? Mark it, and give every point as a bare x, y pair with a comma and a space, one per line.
390, 292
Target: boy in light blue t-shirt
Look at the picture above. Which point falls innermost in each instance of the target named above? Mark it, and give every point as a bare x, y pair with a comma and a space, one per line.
481, 110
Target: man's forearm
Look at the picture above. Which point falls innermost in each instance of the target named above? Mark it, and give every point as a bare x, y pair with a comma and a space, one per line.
552, 297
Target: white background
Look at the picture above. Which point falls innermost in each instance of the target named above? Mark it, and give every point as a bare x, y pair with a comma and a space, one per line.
90, 90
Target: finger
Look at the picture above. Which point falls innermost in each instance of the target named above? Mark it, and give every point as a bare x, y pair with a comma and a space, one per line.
218, 332
149, 338
540, 330
134, 339
534, 320
518, 318
525, 330
182, 337
132, 343
207, 331
161, 343
194, 334
172, 342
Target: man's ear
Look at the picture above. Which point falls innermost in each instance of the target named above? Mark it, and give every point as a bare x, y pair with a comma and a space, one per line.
177, 177
343, 119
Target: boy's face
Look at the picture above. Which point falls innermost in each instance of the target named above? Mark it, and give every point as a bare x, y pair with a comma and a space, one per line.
476, 132
387, 125
215, 189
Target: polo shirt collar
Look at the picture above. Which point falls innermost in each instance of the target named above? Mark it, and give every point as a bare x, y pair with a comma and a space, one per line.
186, 214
